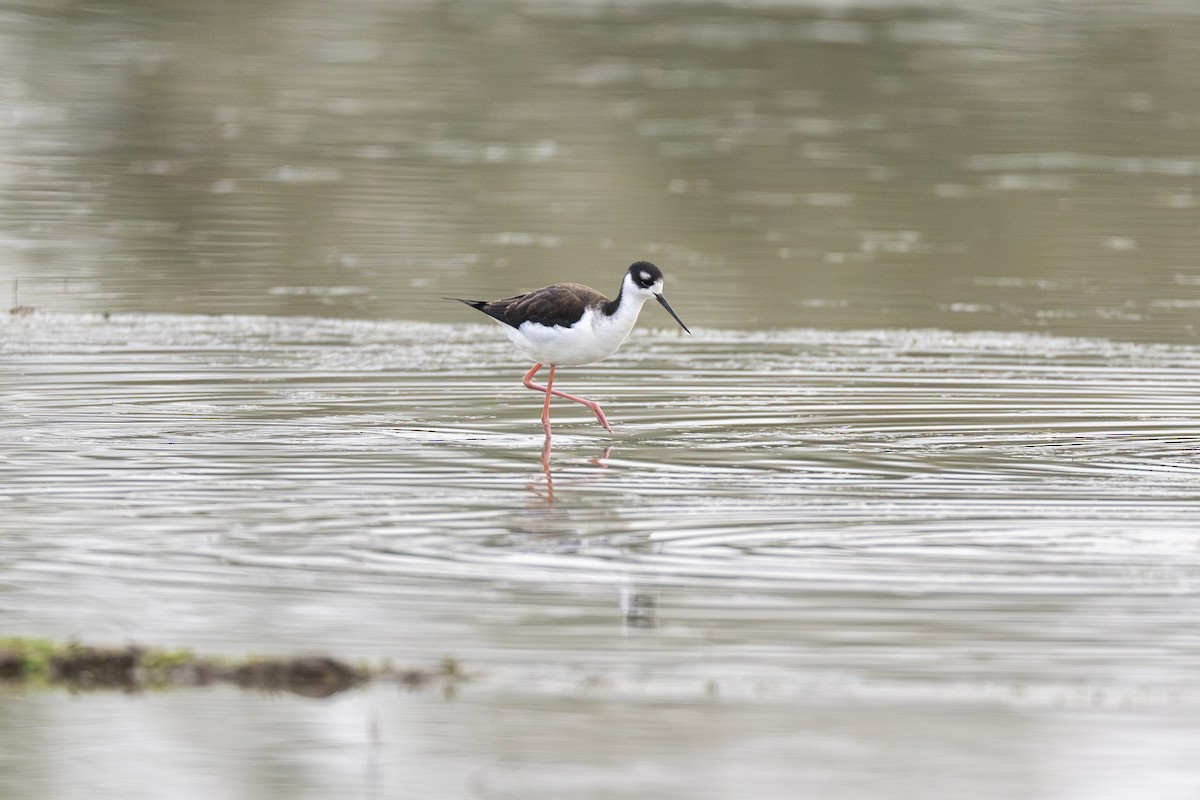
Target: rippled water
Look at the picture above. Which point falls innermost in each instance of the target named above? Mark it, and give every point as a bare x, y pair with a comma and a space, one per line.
834, 487
891, 519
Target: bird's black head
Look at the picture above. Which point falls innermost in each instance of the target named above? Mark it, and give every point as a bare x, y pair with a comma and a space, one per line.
648, 279
645, 274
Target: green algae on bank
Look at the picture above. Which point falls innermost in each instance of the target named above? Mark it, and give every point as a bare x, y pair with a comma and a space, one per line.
38, 662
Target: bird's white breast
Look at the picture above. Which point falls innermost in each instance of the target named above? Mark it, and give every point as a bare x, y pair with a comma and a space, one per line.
594, 337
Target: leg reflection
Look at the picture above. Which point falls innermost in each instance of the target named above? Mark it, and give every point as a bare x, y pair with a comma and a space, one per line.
549, 495
544, 488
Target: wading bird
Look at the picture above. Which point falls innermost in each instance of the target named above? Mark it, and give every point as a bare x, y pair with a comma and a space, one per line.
569, 324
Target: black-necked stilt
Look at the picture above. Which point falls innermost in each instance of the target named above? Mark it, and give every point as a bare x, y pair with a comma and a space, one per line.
569, 324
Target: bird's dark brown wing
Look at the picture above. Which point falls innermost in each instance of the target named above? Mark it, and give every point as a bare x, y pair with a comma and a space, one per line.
559, 304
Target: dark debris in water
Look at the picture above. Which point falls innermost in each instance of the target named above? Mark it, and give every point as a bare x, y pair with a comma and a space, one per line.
34, 662
311, 676
91, 667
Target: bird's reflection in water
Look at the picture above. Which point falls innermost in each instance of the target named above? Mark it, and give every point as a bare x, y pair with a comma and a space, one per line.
549, 529
543, 487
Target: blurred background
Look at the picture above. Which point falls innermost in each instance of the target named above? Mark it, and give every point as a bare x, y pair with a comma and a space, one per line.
979, 164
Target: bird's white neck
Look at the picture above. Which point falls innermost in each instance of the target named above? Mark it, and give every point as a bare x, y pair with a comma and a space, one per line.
630, 300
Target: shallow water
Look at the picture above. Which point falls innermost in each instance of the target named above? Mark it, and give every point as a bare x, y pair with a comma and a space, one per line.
299, 474
379, 744
879, 531
915, 507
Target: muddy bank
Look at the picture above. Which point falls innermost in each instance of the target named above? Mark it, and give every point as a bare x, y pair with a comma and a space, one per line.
37, 662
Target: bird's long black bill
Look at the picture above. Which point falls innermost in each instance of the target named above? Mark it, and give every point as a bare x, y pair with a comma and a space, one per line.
663, 301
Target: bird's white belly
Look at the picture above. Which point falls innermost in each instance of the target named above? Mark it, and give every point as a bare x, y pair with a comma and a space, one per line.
594, 337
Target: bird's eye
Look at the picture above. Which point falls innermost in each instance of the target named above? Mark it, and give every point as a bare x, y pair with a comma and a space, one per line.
644, 278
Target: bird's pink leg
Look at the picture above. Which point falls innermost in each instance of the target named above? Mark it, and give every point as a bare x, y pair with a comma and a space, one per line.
529, 384
546, 404
595, 407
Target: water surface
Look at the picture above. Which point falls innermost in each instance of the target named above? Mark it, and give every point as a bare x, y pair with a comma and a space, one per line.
1005, 476
927, 528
